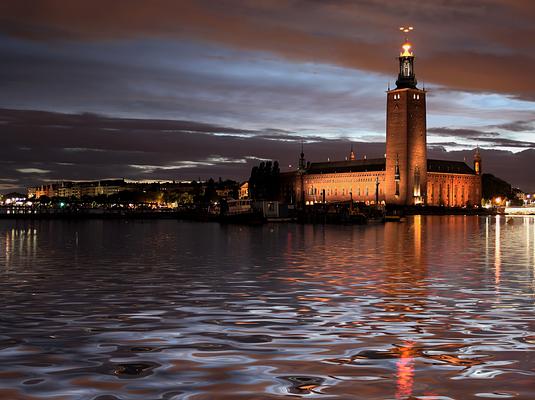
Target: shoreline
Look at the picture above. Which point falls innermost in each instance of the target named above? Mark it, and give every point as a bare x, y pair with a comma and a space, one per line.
304, 218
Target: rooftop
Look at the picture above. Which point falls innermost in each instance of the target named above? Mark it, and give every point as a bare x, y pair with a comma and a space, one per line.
367, 165
379, 164
449, 167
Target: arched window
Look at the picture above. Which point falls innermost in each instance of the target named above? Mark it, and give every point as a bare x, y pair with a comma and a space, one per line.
406, 68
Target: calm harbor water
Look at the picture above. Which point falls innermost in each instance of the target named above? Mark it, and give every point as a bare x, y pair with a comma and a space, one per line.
434, 308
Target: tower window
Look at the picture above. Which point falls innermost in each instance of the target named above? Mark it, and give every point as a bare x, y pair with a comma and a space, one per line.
406, 68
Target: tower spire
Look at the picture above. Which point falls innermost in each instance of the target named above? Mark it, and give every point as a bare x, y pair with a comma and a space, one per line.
477, 161
406, 76
302, 158
352, 154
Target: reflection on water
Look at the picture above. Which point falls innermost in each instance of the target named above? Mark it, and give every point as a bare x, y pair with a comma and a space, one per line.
497, 252
405, 373
435, 308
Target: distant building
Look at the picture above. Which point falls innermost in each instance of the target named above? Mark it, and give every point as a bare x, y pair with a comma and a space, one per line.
244, 190
79, 189
405, 176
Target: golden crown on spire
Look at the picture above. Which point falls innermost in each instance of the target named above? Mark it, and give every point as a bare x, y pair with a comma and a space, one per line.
406, 50
407, 45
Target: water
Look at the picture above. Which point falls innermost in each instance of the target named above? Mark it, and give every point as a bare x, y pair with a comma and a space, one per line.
434, 308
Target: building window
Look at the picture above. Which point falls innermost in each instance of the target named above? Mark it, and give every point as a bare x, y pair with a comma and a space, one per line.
406, 68
416, 182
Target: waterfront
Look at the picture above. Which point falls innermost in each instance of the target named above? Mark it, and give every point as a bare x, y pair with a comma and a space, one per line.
433, 308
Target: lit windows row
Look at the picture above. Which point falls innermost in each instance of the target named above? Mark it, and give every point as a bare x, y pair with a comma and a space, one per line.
344, 192
415, 96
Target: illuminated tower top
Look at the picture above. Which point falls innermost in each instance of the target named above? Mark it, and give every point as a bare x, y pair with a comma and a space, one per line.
352, 156
477, 161
406, 77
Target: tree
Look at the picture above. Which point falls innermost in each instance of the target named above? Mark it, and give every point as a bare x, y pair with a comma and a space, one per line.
210, 193
264, 181
44, 200
253, 182
495, 187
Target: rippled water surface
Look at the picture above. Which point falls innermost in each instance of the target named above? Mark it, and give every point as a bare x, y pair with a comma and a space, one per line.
433, 308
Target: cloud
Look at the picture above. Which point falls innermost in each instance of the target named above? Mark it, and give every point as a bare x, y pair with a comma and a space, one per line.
480, 46
33, 171
166, 149
518, 126
460, 132
504, 142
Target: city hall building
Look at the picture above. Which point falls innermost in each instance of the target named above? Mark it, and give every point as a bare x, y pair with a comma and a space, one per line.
405, 176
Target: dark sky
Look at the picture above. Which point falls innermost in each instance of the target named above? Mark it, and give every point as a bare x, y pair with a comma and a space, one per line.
188, 89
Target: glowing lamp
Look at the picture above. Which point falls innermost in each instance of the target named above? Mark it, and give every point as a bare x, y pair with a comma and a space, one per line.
406, 50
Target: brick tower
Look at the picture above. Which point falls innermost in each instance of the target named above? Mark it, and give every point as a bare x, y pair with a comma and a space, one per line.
406, 144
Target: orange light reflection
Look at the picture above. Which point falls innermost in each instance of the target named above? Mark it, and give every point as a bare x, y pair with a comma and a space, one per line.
405, 371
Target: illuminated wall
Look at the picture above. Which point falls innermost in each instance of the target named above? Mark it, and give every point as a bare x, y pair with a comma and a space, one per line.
361, 186
453, 190
406, 145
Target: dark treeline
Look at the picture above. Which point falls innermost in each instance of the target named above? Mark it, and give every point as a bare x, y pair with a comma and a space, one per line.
264, 181
493, 187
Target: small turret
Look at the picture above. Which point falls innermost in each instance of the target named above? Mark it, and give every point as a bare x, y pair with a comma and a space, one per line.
477, 161
406, 76
352, 156
302, 162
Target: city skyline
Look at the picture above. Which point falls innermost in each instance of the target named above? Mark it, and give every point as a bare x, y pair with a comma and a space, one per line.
200, 89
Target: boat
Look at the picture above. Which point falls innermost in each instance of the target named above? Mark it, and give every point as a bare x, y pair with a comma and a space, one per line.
240, 212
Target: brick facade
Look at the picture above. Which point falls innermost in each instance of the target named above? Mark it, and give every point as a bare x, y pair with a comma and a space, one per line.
405, 176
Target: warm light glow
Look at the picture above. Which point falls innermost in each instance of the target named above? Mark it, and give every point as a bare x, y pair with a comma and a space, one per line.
406, 29
406, 50
497, 253
405, 371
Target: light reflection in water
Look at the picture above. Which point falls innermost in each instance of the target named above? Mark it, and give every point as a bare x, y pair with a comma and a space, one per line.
497, 252
201, 311
405, 371
25, 240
